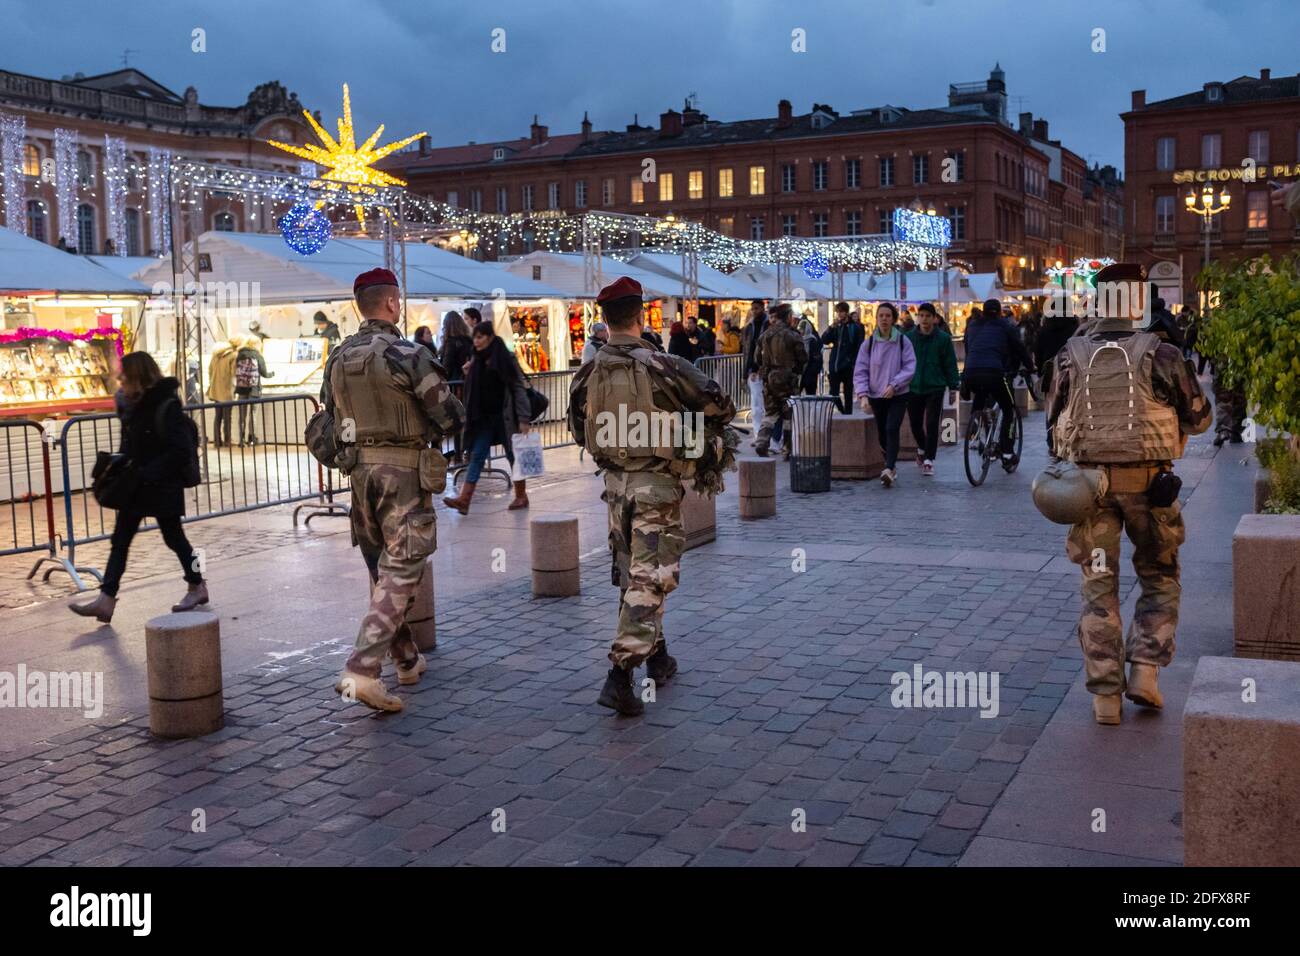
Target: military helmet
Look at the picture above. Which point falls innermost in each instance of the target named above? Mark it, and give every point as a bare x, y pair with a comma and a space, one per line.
1067, 494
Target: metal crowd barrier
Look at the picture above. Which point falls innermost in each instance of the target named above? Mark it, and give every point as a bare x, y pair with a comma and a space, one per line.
28, 496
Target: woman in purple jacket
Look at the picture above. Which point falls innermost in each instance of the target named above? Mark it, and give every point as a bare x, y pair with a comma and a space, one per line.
885, 366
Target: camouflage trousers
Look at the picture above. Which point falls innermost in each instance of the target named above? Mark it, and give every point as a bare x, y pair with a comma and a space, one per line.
1156, 534
1229, 411
776, 407
646, 540
393, 523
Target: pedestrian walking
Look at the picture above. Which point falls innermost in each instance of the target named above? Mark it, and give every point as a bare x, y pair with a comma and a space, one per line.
881, 378
599, 336
936, 372
1122, 482
250, 369
643, 480
496, 408
730, 339
812, 370
782, 358
390, 400
679, 342
845, 337
221, 390
159, 461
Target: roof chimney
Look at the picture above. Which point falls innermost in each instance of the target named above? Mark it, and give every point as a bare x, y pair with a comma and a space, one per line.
1139, 100
540, 133
1026, 123
1040, 130
784, 113
424, 145
586, 127
670, 123
1264, 74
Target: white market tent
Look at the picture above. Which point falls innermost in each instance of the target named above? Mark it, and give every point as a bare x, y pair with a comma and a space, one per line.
128, 267
565, 271
28, 266
762, 282
713, 283
918, 287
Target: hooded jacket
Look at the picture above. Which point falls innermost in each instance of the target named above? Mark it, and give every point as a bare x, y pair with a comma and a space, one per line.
882, 363
221, 374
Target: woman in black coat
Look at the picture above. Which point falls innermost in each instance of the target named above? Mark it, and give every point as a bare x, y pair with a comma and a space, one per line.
496, 408
157, 442
457, 348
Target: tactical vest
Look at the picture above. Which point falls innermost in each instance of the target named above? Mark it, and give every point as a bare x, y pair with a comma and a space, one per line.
383, 409
623, 422
1112, 415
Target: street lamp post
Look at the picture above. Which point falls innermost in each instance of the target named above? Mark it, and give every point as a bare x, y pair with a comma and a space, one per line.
1206, 207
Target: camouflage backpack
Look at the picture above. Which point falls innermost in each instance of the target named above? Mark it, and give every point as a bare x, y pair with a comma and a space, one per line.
621, 414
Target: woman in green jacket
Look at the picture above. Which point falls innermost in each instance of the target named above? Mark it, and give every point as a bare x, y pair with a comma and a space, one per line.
936, 369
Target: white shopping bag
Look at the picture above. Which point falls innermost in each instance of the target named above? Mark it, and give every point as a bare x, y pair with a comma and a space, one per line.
756, 401
528, 456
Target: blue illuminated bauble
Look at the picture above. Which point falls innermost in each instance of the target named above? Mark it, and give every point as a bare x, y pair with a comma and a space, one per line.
816, 266
305, 229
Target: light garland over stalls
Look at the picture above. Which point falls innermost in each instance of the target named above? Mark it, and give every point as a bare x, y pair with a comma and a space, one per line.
115, 173
26, 332
549, 229
65, 181
12, 131
160, 216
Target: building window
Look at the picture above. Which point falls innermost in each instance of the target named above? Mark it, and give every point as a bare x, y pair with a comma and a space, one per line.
789, 225
503, 199
553, 196
695, 184
36, 219
453, 198
1258, 148
886, 170
637, 189
787, 178
819, 174
727, 225
31, 161
607, 192
528, 197
1211, 150
83, 169
853, 223
1165, 149
958, 165
821, 225
726, 187
223, 222
758, 180
921, 168
1257, 209
580, 194
86, 229
133, 232
852, 173
476, 200
1164, 215
665, 187
498, 154
756, 227
957, 219
884, 222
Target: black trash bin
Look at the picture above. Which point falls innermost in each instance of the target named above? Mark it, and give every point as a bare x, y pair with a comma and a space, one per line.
810, 459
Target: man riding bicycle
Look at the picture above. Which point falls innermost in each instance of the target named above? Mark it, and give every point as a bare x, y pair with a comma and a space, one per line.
994, 354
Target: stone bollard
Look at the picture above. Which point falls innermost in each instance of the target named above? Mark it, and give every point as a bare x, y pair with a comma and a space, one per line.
420, 617
183, 662
1263, 488
757, 487
554, 541
1022, 400
699, 519
1266, 587
855, 449
1241, 764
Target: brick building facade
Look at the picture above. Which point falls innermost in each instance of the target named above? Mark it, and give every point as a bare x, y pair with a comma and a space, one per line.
1011, 193
1211, 137
129, 105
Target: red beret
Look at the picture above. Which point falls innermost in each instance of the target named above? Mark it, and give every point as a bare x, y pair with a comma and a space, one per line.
373, 277
621, 288
1120, 272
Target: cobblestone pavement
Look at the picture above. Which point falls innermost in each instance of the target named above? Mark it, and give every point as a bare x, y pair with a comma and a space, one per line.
781, 712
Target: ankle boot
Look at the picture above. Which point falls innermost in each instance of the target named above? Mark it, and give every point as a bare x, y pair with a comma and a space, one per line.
1142, 685
461, 501
618, 693
1106, 708
661, 666
195, 596
521, 496
101, 608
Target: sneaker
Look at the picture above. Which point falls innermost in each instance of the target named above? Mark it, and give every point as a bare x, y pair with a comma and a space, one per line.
920, 460
887, 477
927, 469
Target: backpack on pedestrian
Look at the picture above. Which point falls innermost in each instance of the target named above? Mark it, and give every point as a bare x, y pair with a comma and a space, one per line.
246, 373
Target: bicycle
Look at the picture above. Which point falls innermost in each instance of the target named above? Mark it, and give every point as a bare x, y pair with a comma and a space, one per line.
982, 439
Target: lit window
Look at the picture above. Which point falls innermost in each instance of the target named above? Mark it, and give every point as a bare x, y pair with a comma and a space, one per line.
727, 225
31, 161
695, 184
637, 189
1257, 209
666, 187
757, 180
725, 185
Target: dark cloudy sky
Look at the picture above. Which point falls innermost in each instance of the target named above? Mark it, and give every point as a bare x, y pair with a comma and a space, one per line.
428, 65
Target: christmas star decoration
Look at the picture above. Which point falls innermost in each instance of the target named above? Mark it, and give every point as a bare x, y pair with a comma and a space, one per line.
351, 167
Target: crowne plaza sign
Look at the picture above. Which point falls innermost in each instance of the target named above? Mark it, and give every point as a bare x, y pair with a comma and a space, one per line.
1249, 173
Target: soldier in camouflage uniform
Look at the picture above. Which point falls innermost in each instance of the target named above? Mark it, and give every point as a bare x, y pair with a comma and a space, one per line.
389, 399
1229, 410
782, 357
643, 477
1124, 403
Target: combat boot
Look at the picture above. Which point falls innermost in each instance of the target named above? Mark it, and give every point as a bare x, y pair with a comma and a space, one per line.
411, 674
618, 693
762, 451
1142, 687
521, 496
661, 666
368, 690
461, 501
101, 608
1106, 708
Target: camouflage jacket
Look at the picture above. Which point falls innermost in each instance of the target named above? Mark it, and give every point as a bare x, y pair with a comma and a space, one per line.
678, 387
416, 369
782, 356
1172, 380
